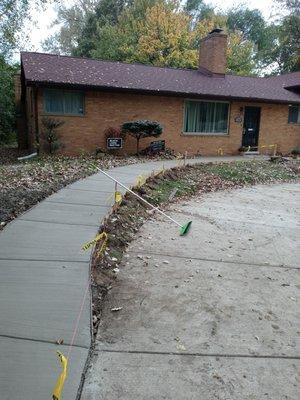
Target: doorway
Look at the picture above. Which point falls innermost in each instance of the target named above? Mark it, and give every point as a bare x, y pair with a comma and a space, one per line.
251, 127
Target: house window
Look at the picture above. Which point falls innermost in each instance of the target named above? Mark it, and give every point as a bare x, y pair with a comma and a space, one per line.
206, 117
63, 102
294, 114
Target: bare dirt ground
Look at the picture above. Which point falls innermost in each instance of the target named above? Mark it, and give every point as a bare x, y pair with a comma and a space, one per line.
212, 315
171, 186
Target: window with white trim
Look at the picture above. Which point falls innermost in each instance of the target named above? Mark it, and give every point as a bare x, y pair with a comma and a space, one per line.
63, 102
206, 117
294, 115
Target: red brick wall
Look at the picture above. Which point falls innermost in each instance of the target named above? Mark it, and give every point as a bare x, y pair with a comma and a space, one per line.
103, 109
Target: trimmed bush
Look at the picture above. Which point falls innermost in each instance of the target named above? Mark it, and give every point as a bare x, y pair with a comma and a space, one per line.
142, 129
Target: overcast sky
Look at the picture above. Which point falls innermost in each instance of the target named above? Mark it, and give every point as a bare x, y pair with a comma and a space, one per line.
40, 28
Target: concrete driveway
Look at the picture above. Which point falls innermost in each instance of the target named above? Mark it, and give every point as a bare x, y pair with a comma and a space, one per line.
213, 315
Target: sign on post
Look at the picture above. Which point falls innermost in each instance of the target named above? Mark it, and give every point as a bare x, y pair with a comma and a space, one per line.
157, 146
114, 143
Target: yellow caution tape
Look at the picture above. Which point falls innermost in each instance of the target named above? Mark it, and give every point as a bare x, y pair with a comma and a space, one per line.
180, 159
56, 395
140, 181
100, 236
104, 244
118, 197
270, 146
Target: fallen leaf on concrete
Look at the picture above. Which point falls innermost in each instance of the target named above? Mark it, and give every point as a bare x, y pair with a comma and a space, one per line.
116, 309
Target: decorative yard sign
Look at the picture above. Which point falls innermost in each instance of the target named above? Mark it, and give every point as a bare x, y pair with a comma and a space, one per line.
157, 146
114, 143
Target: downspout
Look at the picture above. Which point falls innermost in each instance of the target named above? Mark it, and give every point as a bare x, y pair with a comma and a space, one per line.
36, 120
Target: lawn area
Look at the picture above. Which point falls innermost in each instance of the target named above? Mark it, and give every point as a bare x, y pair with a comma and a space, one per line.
225, 175
23, 184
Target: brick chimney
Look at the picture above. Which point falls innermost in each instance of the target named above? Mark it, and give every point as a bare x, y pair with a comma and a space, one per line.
212, 54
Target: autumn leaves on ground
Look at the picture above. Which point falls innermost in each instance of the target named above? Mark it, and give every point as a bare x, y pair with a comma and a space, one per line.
23, 184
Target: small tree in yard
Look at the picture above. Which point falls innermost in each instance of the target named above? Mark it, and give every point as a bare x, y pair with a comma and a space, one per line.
142, 129
51, 137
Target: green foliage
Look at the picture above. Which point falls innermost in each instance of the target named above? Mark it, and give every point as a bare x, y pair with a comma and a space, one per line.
7, 102
198, 10
163, 190
167, 33
285, 52
296, 151
72, 21
160, 33
142, 129
96, 24
12, 16
252, 172
250, 22
50, 126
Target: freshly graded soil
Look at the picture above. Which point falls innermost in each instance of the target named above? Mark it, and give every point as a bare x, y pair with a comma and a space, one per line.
123, 224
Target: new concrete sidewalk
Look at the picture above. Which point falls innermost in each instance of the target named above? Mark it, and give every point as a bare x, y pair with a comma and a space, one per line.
43, 276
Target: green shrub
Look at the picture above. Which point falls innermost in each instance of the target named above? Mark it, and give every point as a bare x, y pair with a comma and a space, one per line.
50, 134
296, 151
142, 129
7, 102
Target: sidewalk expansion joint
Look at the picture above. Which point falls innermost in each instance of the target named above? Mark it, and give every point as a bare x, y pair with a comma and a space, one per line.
219, 219
43, 260
91, 190
42, 341
242, 263
221, 355
58, 223
76, 204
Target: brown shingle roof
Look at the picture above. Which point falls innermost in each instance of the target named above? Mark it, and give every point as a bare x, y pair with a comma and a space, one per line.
40, 68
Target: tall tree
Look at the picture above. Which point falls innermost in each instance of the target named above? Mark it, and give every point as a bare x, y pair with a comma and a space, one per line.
250, 22
12, 16
158, 32
161, 37
7, 103
105, 15
13, 13
285, 53
72, 21
198, 9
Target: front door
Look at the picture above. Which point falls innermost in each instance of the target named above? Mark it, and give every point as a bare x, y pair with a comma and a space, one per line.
251, 126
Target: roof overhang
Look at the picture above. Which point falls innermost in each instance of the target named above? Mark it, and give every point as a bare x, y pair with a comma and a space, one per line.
151, 92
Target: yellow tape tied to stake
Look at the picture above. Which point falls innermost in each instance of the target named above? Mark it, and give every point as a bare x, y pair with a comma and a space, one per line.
56, 395
140, 181
118, 197
101, 236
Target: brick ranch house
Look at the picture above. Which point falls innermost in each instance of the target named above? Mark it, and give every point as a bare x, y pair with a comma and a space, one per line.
202, 111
